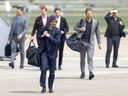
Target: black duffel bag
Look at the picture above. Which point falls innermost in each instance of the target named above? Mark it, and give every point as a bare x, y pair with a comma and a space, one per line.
32, 54
7, 50
74, 42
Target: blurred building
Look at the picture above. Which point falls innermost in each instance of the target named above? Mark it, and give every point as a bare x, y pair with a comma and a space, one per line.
68, 4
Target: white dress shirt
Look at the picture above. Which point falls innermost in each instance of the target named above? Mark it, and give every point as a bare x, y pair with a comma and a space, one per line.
44, 19
58, 23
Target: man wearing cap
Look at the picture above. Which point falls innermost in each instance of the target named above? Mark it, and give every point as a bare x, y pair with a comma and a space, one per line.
48, 49
113, 33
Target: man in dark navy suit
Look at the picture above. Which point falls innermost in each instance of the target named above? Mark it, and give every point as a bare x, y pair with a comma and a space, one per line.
63, 26
48, 47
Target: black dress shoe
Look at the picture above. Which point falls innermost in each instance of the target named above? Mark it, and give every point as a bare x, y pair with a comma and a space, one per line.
91, 76
50, 90
107, 66
21, 67
59, 68
43, 89
115, 66
55, 68
11, 65
82, 76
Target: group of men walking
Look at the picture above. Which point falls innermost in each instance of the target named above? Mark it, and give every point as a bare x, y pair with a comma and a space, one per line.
51, 35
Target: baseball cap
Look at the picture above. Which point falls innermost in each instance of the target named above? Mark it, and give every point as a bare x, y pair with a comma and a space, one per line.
52, 17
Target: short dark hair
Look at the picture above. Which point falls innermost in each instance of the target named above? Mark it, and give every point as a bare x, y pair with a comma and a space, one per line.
21, 8
88, 9
57, 9
43, 7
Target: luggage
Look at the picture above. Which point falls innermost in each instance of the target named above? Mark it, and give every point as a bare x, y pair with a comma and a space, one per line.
74, 42
7, 50
32, 54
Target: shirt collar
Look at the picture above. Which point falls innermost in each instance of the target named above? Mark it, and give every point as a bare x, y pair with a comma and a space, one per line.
88, 21
44, 17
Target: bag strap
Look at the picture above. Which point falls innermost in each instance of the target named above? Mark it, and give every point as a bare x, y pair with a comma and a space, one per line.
82, 22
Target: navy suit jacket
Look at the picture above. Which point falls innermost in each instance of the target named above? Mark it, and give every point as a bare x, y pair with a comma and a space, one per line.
50, 44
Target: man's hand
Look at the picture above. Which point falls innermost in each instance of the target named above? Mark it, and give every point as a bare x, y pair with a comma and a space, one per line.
32, 37
82, 29
121, 23
9, 39
46, 34
62, 32
8, 42
114, 11
19, 37
99, 45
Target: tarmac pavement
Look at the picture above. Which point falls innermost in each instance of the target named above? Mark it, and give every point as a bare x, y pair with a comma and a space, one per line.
107, 81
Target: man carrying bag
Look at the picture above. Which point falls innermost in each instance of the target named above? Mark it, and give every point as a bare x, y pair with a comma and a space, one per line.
89, 27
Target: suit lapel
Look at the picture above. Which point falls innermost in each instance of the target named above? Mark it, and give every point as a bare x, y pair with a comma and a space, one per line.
40, 19
93, 23
47, 21
61, 22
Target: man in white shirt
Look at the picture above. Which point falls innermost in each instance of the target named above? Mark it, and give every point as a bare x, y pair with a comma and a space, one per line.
63, 26
41, 24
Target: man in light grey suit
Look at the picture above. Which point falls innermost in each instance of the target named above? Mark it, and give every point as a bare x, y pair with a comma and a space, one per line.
17, 36
88, 27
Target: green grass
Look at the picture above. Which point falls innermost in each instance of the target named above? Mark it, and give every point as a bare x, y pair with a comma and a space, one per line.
73, 17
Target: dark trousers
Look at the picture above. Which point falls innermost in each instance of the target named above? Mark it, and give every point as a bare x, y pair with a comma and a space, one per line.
112, 42
47, 63
61, 49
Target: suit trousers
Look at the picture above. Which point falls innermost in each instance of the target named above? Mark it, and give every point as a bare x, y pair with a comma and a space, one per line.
88, 49
61, 49
112, 42
47, 63
14, 43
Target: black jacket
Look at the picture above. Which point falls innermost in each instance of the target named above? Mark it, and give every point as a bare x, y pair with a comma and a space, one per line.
108, 19
39, 27
64, 27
